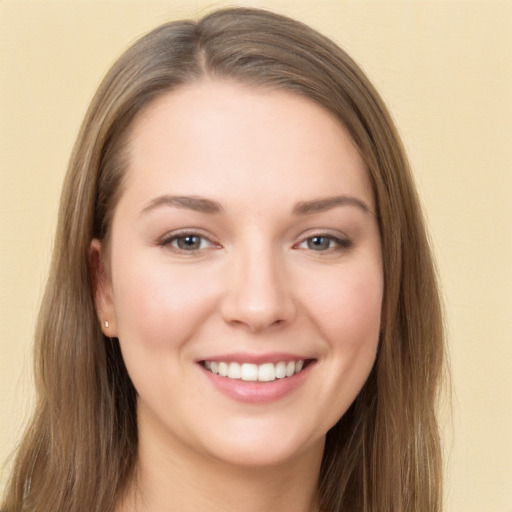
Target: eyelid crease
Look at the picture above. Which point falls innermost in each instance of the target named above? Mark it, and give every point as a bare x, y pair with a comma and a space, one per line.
169, 237
342, 242
340, 239
328, 232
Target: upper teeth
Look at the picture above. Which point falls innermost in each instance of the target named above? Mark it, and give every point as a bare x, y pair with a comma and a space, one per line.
255, 372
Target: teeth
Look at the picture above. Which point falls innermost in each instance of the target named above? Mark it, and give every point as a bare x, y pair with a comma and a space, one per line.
280, 370
266, 372
223, 369
234, 371
249, 372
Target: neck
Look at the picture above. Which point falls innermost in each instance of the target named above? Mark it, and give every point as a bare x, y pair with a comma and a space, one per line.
173, 478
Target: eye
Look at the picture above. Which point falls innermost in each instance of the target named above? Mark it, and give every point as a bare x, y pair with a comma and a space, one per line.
187, 242
324, 243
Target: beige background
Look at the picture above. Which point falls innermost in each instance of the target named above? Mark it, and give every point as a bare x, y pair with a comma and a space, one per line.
445, 70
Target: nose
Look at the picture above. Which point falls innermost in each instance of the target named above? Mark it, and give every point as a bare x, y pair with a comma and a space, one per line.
259, 292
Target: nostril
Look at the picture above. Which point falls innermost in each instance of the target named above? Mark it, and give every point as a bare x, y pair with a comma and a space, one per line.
257, 303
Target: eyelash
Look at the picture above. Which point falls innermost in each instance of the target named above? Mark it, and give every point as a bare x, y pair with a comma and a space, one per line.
173, 240
335, 244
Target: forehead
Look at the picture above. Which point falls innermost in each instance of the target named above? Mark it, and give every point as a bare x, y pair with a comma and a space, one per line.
215, 136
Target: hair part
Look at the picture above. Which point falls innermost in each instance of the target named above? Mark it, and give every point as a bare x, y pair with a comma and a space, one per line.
80, 450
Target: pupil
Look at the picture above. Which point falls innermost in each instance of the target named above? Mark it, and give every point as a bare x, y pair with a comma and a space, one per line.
319, 243
188, 242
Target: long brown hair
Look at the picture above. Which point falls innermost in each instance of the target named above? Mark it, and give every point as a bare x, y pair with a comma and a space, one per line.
80, 450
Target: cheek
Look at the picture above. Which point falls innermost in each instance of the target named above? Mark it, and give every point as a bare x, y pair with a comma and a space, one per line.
157, 305
158, 313
347, 308
348, 318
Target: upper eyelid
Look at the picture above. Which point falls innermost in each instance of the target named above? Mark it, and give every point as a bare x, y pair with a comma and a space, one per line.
338, 240
331, 233
185, 232
310, 233
169, 242
341, 240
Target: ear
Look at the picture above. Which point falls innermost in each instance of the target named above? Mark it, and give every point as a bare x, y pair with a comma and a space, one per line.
102, 289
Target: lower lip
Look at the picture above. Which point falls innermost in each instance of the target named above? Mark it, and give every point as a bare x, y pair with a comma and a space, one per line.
257, 392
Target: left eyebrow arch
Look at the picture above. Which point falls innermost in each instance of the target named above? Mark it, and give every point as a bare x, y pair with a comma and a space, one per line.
197, 204
327, 203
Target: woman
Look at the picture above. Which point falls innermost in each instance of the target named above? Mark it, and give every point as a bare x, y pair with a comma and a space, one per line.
242, 311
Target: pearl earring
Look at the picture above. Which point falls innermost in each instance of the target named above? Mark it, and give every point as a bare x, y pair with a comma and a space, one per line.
106, 324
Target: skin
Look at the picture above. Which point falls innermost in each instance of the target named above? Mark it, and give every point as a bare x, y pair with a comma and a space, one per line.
257, 283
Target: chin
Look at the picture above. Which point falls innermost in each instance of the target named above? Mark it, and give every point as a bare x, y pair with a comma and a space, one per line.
265, 448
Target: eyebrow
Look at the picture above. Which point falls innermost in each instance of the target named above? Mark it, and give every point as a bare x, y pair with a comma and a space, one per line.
197, 204
327, 203
202, 205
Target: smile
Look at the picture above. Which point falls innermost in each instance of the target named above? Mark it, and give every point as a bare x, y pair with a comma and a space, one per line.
250, 372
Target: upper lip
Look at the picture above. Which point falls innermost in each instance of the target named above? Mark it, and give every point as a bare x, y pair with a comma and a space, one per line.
274, 357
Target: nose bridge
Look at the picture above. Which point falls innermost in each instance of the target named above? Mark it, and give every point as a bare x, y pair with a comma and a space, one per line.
259, 295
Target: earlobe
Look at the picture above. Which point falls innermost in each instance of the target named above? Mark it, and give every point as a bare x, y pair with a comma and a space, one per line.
102, 289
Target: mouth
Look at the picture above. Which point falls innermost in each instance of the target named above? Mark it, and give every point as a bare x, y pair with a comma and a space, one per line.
250, 372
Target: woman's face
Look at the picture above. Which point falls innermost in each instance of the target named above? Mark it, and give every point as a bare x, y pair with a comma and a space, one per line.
244, 273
